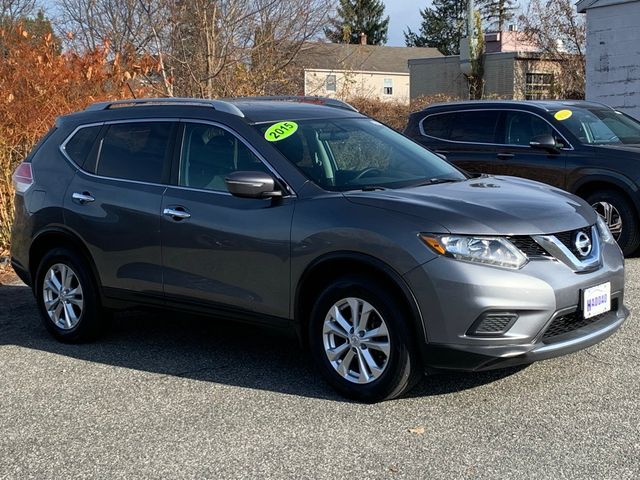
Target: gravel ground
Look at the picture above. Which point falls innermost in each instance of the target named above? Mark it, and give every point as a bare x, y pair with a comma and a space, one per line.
180, 397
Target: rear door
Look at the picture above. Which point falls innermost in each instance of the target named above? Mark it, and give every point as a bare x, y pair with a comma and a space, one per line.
468, 138
516, 157
114, 200
222, 251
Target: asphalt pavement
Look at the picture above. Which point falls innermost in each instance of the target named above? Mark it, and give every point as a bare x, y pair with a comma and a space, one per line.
173, 396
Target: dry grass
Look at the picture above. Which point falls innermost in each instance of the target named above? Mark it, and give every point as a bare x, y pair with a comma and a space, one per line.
395, 114
8, 162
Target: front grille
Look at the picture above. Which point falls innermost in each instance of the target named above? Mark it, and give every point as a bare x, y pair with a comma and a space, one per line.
568, 239
532, 249
574, 321
529, 247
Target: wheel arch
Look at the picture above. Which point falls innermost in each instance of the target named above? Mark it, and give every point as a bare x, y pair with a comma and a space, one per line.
56, 237
608, 180
332, 266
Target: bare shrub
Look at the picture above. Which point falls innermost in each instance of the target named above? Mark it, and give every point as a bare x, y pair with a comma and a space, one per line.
395, 114
37, 84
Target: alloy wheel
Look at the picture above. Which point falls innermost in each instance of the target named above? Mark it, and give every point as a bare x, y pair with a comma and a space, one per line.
356, 340
611, 216
62, 294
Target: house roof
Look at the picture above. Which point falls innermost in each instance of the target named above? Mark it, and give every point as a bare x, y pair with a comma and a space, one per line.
366, 58
584, 5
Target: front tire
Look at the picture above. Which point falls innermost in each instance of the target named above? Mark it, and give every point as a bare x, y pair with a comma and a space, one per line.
360, 341
620, 216
67, 297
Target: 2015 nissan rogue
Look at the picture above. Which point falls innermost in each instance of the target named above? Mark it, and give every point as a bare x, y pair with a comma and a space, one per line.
388, 260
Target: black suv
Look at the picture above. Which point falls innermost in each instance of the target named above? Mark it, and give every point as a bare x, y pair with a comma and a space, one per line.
585, 148
385, 258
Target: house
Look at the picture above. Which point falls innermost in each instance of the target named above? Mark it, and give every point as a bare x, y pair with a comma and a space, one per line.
347, 70
613, 53
513, 68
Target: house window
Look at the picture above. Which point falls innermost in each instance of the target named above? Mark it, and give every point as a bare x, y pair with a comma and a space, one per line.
387, 88
330, 83
538, 86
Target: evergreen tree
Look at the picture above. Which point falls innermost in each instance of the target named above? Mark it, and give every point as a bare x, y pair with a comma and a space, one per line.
496, 13
359, 16
443, 25
38, 28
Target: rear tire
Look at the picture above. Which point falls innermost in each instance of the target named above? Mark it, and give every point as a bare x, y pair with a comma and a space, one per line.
67, 297
371, 359
614, 204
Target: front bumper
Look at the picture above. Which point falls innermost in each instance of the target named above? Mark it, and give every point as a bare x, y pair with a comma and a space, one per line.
453, 295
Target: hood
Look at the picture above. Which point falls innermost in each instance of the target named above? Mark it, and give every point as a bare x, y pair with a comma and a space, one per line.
486, 206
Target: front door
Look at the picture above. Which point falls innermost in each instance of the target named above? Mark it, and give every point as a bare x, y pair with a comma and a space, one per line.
516, 157
219, 250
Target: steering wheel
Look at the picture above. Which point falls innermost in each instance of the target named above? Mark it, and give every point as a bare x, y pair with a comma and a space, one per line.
366, 172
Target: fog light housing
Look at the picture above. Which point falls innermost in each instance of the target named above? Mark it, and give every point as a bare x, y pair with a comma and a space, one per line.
492, 324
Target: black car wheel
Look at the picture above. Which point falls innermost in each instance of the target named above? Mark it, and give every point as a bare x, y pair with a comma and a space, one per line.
360, 341
67, 297
620, 216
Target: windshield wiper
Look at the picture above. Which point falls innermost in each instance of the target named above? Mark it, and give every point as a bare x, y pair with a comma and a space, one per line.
435, 181
371, 188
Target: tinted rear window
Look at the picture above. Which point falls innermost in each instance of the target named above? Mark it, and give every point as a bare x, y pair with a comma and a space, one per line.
79, 146
136, 151
477, 126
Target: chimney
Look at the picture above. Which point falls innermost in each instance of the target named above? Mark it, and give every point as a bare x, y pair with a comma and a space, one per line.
363, 38
513, 27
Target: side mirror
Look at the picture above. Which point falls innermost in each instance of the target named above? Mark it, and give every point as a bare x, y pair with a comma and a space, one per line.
252, 185
544, 142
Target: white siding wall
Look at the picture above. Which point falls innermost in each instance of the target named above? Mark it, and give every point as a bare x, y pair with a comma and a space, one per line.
358, 84
613, 56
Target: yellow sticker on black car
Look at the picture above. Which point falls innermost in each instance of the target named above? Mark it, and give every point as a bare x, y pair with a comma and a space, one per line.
280, 131
563, 114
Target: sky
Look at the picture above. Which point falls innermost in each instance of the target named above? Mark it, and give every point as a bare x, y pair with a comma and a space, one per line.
402, 13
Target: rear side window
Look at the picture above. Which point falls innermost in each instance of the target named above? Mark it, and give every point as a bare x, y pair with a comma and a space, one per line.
79, 146
136, 151
475, 126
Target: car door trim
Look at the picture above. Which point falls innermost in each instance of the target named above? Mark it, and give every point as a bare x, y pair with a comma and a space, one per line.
63, 145
499, 110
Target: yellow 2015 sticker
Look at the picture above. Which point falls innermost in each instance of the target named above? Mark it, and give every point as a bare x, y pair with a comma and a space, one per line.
280, 131
563, 114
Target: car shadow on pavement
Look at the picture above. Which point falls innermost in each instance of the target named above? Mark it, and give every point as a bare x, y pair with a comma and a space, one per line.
197, 348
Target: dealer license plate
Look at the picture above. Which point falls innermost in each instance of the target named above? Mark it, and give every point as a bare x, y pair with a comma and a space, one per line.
596, 300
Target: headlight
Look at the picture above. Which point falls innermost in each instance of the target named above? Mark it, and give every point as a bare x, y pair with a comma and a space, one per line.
487, 250
603, 229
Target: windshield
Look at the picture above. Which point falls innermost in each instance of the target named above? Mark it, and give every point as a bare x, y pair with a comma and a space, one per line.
356, 153
601, 126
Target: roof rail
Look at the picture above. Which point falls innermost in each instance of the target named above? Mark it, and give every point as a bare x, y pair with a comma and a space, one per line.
329, 102
219, 105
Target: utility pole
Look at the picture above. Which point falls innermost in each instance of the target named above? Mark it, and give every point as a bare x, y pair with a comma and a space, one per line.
472, 52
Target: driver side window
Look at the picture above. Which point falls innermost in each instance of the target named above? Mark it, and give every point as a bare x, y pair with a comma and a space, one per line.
210, 154
522, 127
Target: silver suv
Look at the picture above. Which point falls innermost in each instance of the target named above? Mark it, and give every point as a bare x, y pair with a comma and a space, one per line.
387, 260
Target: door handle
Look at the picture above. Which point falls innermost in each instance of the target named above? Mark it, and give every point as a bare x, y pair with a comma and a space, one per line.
82, 198
505, 156
177, 213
